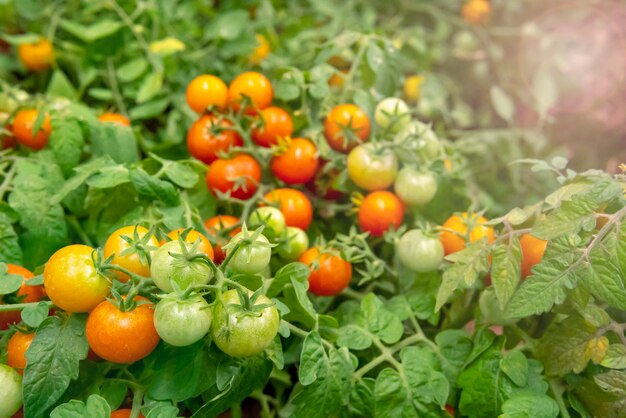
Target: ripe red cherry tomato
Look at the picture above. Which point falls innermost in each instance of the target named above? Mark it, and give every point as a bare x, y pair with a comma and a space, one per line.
239, 175
379, 211
332, 275
294, 205
345, 127
298, 163
276, 124
254, 85
207, 137
23, 129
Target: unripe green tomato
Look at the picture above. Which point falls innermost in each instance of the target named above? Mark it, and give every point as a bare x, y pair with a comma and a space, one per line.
10, 391
250, 258
182, 322
371, 167
297, 242
393, 114
490, 309
166, 268
270, 217
239, 333
422, 140
419, 252
415, 188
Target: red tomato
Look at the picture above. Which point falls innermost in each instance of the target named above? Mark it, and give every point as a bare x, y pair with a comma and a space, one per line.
253, 85
294, 205
124, 413
345, 127
214, 225
276, 124
322, 183
23, 129
379, 211
332, 275
207, 137
298, 163
240, 175
29, 293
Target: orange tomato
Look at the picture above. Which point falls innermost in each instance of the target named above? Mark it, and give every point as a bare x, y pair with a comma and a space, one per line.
276, 124
114, 118
36, 56
240, 175
298, 163
345, 127
261, 51
122, 337
213, 226
294, 205
456, 239
476, 12
337, 79
253, 85
16, 350
379, 211
134, 260
193, 236
23, 129
332, 275
206, 90
532, 253
124, 413
8, 140
25, 294
207, 138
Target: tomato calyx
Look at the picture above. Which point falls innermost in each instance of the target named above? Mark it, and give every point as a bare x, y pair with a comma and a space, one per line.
248, 305
248, 239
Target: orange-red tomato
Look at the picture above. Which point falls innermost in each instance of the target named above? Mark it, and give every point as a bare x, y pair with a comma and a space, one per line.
16, 350
298, 163
253, 85
122, 337
214, 225
36, 56
193, 236
206, 90
124, 413
332, 275
276, 124
114, 118
345, 127
294, 205
338, 79
532, 252
456, 239
8, 140
133, 261
207, 137
379, 211
23, 129
476, 12
239, 175
26, 294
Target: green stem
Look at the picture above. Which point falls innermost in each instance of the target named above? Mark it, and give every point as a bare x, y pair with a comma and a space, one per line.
21, 306
557, 390
75, 224
302, 333
137, 402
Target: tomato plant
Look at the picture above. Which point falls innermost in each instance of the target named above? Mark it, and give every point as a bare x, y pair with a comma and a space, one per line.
25, 132
206, 90
130, 248
16, 350
420, 252
248, 253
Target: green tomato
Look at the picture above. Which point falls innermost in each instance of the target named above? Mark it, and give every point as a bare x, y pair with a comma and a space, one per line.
250, 258
415, 188
393, 114
182, 322
295, 244
419, 138
11, 392
371, 167
168, 264
270, 217
241, 333
419, 252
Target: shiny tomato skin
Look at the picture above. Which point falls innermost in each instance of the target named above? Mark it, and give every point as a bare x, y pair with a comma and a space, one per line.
206, 139
134, 262
166, 269
380, 211
36, 56
11, 393
239, 334
532, 253
252, 258
182, 322
114, 118
27, 293
297, 164
16, 350
332, 275
277, 124
452, 242
124, 413
372, 168
415, 188
294, 205
23, 129
204, 91
204, 246
223, 173
271, 218
294, 245
342, 118
254, 85
71, 280
122, 337
476, 12
420, 252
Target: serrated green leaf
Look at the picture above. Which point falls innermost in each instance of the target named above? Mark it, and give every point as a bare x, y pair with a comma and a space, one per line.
88, 34
354, 337
132, 70
115, 141
615, 357
505, 270
515, 365
96, 407
61, 86
530, 406
380, 322
427, 384
66, 142
33, 316
391, 397
154, 188
181, 174
312, 359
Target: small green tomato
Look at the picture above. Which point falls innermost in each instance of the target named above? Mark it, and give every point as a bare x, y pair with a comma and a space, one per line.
393, 114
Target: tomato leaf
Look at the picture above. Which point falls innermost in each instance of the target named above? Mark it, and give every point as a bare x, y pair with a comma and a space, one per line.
117, 142
132, 70
52, 361
381, 322
10, 250
95, 407
505, 270
181, 174
152, 187
427, 384
33, 316
66, 142
530, 406
312, 359
150, 87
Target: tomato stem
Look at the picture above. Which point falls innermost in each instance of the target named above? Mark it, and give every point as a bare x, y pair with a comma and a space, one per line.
137, 401
21, 306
